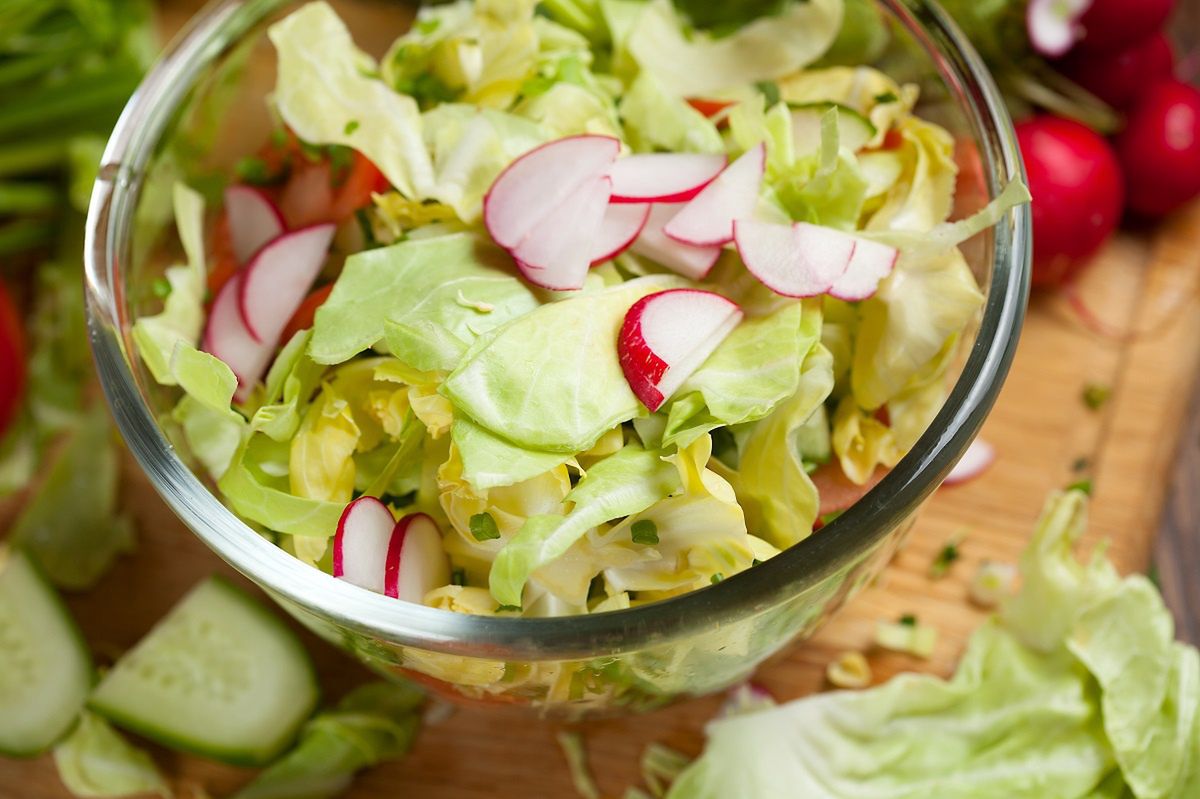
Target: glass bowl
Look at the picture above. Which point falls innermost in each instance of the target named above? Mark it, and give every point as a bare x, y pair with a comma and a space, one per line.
609, 662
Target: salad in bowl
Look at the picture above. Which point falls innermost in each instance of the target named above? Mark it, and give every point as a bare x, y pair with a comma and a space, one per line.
565, 308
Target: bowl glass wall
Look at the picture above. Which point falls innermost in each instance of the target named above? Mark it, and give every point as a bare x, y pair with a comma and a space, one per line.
204, 105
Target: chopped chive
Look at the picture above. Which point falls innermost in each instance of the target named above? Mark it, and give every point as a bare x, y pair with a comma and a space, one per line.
427, 26
908, 620
351, 126
1095, 395
1081, 464
885, 98
755, 562
161, 288
508, 608
253, 170
483, 527
946, 557
716, 578
1084, 485
644, 531
770, 91
458, 577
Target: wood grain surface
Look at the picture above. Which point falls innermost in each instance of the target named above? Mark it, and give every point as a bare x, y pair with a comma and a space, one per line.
1143, 289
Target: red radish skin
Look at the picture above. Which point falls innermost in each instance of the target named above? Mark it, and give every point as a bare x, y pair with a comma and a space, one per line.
1078, 195
668, 335
1054, 26
663, 177
1110, 25
362, 542
534, 186
227, 338
974, 462
416, 561
621, 226
1119, 77
707, 220
253, 221
557, 253
691, 262
13, 369
1160, 149
276, 282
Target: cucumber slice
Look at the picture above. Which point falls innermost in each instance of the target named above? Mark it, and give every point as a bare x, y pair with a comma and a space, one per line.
219, 676
854, 129
45, 668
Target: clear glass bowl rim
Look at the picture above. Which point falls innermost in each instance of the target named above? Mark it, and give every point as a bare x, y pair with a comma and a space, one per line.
805, 565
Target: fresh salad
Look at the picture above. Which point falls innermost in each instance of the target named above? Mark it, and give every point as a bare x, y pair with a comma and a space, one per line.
566, 307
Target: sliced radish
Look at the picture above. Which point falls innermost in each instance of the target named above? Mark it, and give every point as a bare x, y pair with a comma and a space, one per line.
537, 184
684, 259
870, 263
663, 177
974, 462
280, 277
621, 226
227, 338
557, 253
667, 336
804, 260
416, 561
253, 220
707, 220
1053, 25
361, 545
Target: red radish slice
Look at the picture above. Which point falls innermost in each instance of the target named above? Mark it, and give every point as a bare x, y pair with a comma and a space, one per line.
536, 185
870, 263
684, 259
799, 260
1053, 25
253, 220
557, 253
362, 542
663, 177
667, 336
227, 338
621, 226
280, 277
974, 462
416, 561
707, 220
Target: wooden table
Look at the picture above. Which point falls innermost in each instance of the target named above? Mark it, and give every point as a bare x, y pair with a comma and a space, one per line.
1144, 281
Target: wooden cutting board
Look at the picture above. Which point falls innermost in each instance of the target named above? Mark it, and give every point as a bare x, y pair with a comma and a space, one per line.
1144, 289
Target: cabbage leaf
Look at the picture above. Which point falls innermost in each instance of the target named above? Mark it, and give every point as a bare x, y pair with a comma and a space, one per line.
96, 761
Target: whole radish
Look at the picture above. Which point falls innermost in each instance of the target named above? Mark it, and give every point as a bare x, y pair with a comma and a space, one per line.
1078, 194
1160, 148
1110, 25
12, 359
1118, 77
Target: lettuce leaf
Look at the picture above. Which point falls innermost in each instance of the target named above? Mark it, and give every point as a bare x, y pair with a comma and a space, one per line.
424, 346
779, 498
621, 485
923, 197
446, 280
71, 525
212, 437
95, 761
290, 384
373, 723
206, 378
861, 442
491, 462
264, 498
182, 317
655, 120
550, 380
320, 464
700, 65
325, 83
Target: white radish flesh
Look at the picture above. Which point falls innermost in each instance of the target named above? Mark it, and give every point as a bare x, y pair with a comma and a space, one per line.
692, 262
416, 560
663, 177
253, 221
360, 547
226, 337
1053, 25
621, 226
974, 462
280, 277
870, 264
557, 253
707, 220
667, 336
804, 260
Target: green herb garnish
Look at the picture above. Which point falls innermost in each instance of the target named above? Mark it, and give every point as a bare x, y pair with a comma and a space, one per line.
946, 557
716, 578
483, 527
351, 126
161, 288
1084, 485
1095, 395
644, 531
908, 620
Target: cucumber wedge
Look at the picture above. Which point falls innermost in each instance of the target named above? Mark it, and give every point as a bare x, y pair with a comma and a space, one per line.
45, 668
854, 129
219, 676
